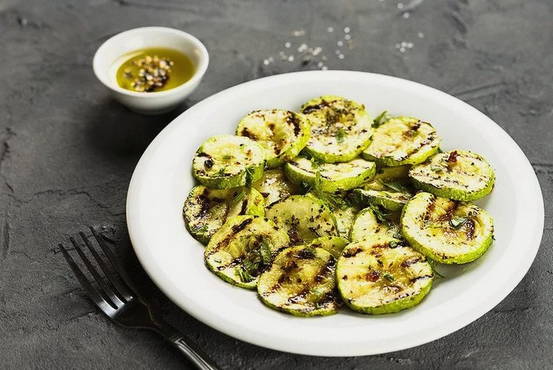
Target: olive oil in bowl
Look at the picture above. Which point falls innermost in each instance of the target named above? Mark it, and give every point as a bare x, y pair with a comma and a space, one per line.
154, 70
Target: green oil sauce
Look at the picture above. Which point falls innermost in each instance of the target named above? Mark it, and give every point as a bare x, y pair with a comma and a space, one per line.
154, 69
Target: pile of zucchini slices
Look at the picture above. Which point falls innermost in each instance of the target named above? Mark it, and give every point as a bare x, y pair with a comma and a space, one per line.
328, 207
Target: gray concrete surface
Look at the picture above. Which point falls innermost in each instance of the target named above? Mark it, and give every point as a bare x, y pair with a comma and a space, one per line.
67, 153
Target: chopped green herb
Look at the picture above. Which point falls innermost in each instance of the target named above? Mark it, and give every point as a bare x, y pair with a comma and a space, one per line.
266, 253
388, 277
340, 135
380, 213
396, 186
395, 244
381, 118
457, 222
433, 264
437, 169
249, 175
238, 196
200, 229
244, 275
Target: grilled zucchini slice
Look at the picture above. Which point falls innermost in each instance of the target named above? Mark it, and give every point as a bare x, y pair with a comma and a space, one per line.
402, 140
340, 128
281, 133
205, 210
445, 230
302, 282
457, 174
303, 218
226, 161
391, 200
330, 177
367, 224
382, 275
332, 244
243, 248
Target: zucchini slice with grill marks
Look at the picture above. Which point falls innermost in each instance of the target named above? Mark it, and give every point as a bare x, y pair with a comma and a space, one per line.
303, 218
402, 140
205, 210
367, 224
281, 133
243, 248
445, 230
340, 128
302, 282
330, 177
228, 161
382, 275
274, 186
391, 200
332, 244
457, 174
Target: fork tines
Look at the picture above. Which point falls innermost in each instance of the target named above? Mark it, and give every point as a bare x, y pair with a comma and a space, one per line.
108, 287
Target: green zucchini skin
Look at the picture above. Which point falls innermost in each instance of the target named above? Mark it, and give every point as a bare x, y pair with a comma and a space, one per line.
281, 133
340, 128
274, 186
227, 161
391, 200
205, 210
428, 223
402, 141
243, 248
457, 174
366, 225
382, 275
302, 282
303, 218
332, 244
330, 177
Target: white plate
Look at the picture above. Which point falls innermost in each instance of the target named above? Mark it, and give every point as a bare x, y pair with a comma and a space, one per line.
174, 260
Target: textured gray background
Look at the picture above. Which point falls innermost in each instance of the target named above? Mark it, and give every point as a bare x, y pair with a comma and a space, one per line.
67, 153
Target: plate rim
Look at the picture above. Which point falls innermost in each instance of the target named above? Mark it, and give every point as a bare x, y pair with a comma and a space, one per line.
249, 336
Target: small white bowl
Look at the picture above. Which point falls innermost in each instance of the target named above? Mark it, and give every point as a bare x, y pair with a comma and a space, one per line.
112, 53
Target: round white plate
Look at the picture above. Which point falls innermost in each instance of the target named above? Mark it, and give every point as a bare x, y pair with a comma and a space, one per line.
174, 260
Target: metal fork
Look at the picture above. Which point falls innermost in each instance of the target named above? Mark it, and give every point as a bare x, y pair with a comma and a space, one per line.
115, 298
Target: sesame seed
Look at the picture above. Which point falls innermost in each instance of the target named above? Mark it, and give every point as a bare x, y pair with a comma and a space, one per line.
347, 37
330, 29
340, 56
291, 58
340, 43
346, 29
420, 35
400, 5
406, 15
287, 45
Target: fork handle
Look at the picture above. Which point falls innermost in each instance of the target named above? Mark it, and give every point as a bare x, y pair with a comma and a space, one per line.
196, 356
